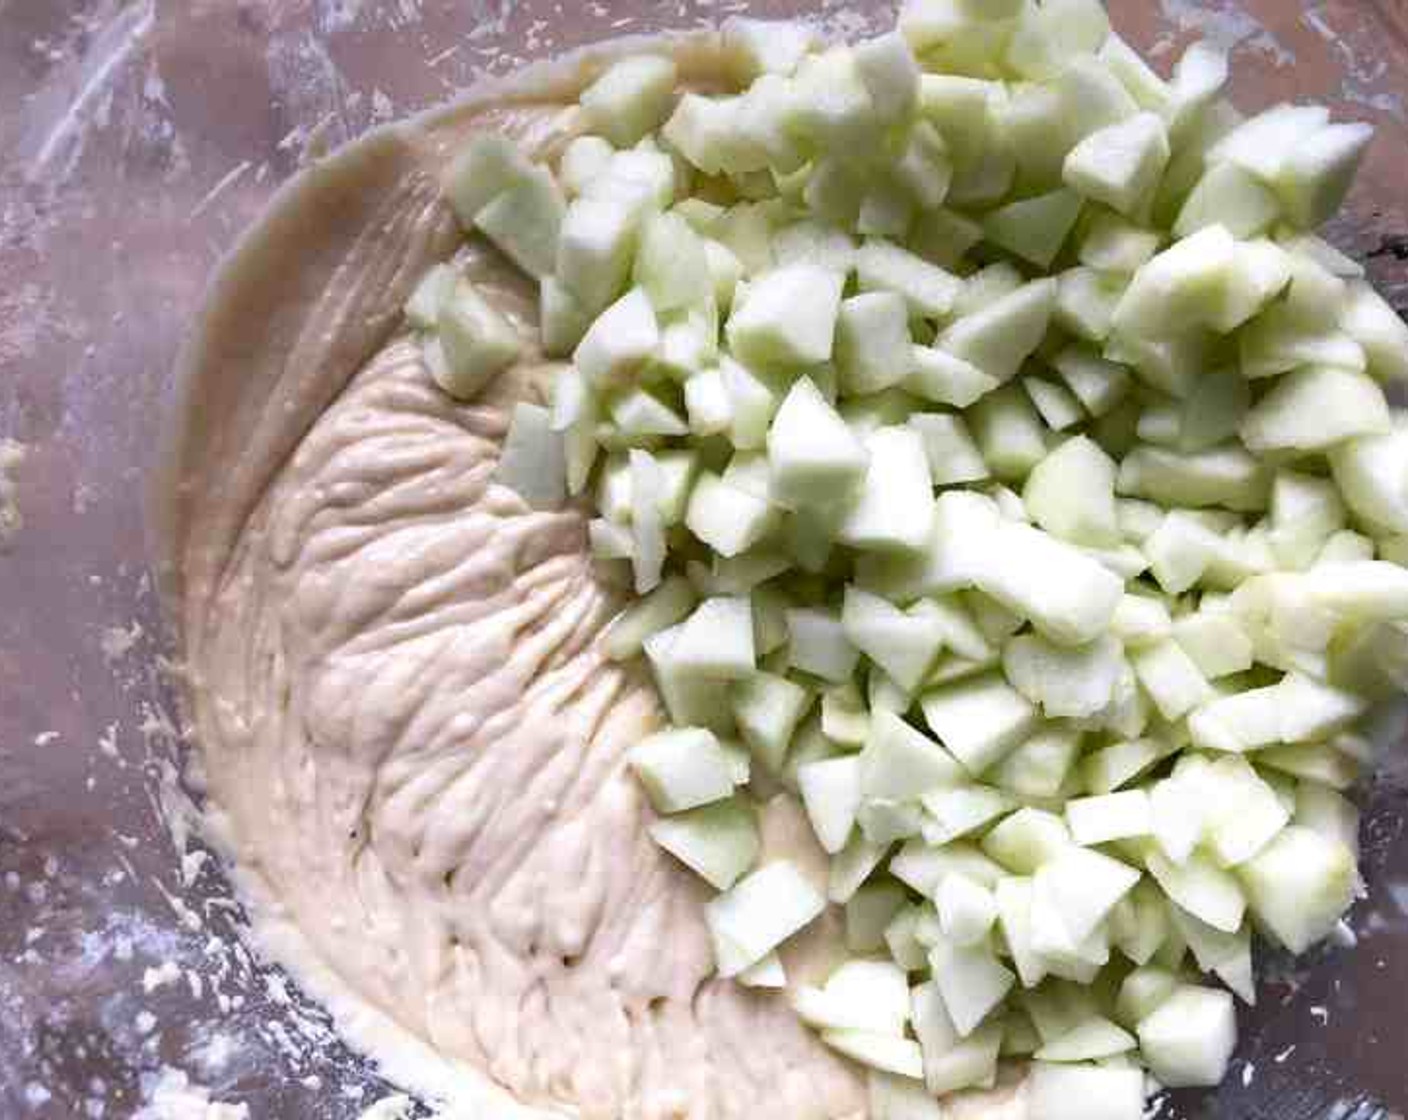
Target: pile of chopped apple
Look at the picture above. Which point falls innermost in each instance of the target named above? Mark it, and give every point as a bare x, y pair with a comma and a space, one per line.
1004, 469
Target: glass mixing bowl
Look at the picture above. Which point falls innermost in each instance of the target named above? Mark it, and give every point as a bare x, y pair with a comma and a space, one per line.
138, 138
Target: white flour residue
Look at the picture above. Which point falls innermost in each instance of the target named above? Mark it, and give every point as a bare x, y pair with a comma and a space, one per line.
1227, 24
12, 454
1364, 69
117, 641
173, 1096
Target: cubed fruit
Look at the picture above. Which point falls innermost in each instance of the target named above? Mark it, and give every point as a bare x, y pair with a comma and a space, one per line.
869, 913
729, 520
630, 99
525, 220
1317, 171
817, 644
1171, 679
1080, 886
1229, 196
953, 456
716, 641
1039, 767
1314, 409
619, 341
667, 605
768, 329
1035, 229
899, 762
813, 455
928, 290
1377, 327
489, 164
561, 318
1189, 1038
1067, 682
767, 709
894, 509
998, 338
903, 644
967, 910
1080, 1092
939, 376
1112, 816
755, 47
1205, 890
971, 980
671, 264
1372, 475
899, 1098
1071, 494
682, 769
533, 462
1067, 595
423, 306
859, 995
583, 160
478, 343
885, 1052
594, 248
1120, 164
979, 720
872, 342
1009, 432
1094, 1040
831, 793
718, 842
759, 913
1300, 885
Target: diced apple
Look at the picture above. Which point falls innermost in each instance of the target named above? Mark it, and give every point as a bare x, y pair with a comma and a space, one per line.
1091, 1041
623, 337
885, 1052
1069, 682
1300, 885
631, 98
872, 341
1035, 229
719, 842
1171, 678
859, 995
1081, 886
1315, 175
726, 518
831, 792
895, 506
952, 1061
477, 341
759, 913
1189, 1038
716, 641
899, 762
998, 338
953, 456
818, 644
767, 709
768, 330
1120, 164
1067, 595
971, 980
1079, 1092
682, 769
869, 912
1377, 327
813, 455
1314, 409
533, 462
1202, 888
524, 221
979, 720
939, 376
1112, 816
1222, 476
488, 165
903, 644
1216, 642
1229, 196
898, 1098
755, 47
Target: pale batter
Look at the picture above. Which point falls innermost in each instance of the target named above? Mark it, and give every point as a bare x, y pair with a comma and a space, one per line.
413, 747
